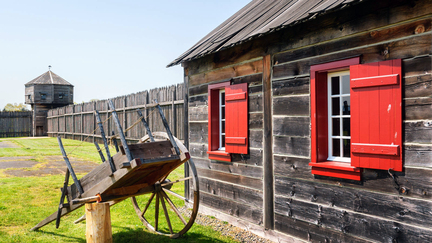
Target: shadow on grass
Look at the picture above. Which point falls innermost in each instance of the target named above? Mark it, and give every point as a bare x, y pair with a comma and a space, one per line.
76, 239
140, 235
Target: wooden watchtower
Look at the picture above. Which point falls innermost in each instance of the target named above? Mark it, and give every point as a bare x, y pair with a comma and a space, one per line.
46, 92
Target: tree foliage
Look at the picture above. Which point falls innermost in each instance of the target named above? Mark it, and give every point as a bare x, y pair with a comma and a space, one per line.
15, 107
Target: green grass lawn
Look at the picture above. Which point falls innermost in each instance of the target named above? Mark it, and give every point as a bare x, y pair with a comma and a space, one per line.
25, 201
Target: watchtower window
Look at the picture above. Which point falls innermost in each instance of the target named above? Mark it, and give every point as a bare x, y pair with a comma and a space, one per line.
43, 96
61, 95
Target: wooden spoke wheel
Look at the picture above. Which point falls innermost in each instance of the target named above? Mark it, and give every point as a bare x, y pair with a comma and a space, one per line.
165, 211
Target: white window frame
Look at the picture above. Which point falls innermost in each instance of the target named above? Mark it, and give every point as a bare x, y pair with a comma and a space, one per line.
221, 121
340, 116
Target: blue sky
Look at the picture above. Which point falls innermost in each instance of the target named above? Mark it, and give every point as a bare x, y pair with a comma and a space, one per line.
104, 48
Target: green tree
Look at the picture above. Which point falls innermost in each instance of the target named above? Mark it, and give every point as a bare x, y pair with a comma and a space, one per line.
15, 107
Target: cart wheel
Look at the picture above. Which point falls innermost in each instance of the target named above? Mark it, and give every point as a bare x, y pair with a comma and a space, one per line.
180, 213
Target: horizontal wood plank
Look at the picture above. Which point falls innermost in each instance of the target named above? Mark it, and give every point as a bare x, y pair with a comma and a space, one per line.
198, 132
292, 167
311, 232
255, 157
227, 73
418, 109
291, 126
198, 113
362, 225
392, 207
291, 86
230, 167
255, 103
255, 139
297, 146
365, 38
394, 50
291, 106
237, 209
418, 155
255, 120
231, 178
418, 132
418, 86
234, 192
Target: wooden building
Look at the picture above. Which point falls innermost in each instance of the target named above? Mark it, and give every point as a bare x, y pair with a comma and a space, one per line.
311, 120
46, 92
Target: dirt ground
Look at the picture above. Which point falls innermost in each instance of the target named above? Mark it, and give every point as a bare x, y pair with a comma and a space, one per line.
28, 166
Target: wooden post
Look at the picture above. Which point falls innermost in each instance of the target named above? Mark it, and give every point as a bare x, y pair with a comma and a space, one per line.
268, 185
186, 130
98, 223
124, 116
82, 123
73, 122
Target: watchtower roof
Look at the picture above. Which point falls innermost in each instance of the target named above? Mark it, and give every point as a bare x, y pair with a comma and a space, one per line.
49, 78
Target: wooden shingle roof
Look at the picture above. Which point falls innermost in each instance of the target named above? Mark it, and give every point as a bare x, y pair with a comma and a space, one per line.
49, 78
257, 18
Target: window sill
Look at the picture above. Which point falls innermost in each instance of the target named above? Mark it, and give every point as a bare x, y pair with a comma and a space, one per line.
336, 169
219, 155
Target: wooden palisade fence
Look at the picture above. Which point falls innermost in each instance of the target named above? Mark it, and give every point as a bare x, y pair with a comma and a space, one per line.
15, 124
78, 121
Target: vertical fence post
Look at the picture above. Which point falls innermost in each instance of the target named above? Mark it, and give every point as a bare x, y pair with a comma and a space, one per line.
82, 122
94, 122
64, 122
124, 116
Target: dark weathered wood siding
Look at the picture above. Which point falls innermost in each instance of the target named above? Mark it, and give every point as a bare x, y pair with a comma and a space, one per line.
16, 124
233, 188
308, 207
78, 121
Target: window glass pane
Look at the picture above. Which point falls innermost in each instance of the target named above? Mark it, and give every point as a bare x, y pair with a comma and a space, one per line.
335, 106
346, 148
335, 85
223, 141
223, 112
346, 127
223, 98
346, 104
345, 84
223, 126
336, 147
336, 127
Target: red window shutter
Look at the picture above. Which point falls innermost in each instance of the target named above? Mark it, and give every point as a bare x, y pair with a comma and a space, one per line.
236, 119
376, 115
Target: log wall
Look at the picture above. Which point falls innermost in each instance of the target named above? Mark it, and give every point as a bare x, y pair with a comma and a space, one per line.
78, 121
308, 207
234, 188
15, 124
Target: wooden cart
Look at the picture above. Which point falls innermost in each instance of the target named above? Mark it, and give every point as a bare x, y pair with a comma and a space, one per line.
137, 170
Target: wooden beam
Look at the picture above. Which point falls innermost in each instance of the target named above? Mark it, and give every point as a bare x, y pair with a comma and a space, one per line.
68, 164
120, 130
101, 129
186, 129
268, 185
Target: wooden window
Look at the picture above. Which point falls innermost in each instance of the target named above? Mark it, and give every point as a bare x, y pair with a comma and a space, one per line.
221, 119
43, 96
338, 104
228, 120
372, 109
